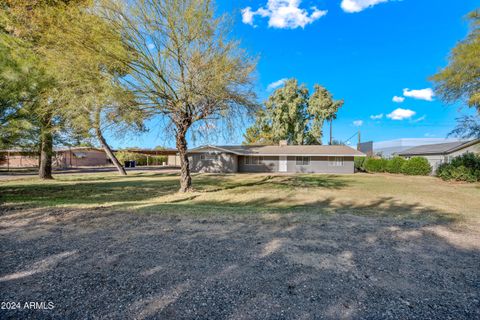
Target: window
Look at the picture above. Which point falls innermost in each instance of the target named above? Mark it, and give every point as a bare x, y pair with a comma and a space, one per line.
80, 155
303, 161
335, 161
208, 157
253, 160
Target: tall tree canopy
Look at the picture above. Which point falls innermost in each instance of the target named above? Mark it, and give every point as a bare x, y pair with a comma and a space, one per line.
22, 24
183, 66
459, 81
59, 77
292, 114
77, 48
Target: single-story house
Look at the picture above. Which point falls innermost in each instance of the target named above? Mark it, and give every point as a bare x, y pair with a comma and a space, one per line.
436, 154
63, 158
75, 157
274, 158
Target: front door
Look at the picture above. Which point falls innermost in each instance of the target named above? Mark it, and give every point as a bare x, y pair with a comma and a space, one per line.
282, 164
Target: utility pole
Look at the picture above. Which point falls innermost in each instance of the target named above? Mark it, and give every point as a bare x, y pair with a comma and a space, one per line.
359, 139
331, 138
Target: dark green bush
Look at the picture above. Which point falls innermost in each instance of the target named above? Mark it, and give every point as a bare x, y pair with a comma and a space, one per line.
395, 164
463, 168
359, 162
417, 166
375, 164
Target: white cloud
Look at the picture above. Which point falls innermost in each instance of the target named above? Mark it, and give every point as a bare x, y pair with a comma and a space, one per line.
419, 119
422, 94
353, 6
276, 84
376, 116
151, 46
283, 14
398, 99
401, 114
429, 135
358, 123
247, 15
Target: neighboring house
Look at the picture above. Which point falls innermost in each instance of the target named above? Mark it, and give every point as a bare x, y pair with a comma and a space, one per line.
437, 154
80, 157
75, 157
274, 158
389, 148
63, 158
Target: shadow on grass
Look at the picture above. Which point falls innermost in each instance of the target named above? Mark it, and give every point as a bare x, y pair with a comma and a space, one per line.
383, 207
216, 183
89, 190
104, 189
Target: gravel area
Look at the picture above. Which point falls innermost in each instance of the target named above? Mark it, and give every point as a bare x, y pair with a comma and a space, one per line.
111, 265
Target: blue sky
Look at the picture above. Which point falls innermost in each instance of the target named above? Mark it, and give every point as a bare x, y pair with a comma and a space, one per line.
366, 55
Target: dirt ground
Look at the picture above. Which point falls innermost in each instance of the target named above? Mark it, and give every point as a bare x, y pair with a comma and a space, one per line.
95, 264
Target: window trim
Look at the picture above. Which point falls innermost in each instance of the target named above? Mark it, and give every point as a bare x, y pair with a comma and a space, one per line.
334, 161
249, 160
302, 160
208, 157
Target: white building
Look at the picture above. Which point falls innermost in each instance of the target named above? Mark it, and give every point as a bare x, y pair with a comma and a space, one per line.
437, 154
390, 148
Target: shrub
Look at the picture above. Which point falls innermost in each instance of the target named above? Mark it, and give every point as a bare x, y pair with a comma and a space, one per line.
463, 168
417, 166
141, 159
375, 164
469, 160
359, 163
395, 164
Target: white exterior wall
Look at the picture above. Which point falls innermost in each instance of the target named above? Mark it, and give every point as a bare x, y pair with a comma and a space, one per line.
437, 159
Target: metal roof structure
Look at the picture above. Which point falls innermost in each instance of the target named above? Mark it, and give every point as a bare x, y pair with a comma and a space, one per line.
440, 148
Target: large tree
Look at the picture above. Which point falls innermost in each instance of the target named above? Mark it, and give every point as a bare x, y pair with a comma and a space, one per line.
459, 81
292, 114
20, 83
184, 66
322, 107
22, 26
77, 47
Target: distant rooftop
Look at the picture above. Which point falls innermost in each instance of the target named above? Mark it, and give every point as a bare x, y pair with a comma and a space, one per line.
274, 150
389, 148
440, 148
411, 142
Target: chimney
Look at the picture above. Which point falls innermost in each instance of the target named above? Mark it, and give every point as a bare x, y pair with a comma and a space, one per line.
283, 143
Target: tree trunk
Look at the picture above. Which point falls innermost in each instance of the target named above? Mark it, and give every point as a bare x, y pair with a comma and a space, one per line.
106, 147
46, 151
331, 131
185, 178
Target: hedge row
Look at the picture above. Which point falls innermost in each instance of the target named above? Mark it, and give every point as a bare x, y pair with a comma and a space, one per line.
417, 166
462, 168
141, 159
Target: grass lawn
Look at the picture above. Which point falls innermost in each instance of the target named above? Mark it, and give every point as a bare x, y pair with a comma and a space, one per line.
394, 196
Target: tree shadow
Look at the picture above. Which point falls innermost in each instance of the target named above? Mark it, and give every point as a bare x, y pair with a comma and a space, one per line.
336, 265
219, 182
86, 192
122, 192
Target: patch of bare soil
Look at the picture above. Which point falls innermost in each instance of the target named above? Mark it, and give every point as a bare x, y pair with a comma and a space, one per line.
113, 265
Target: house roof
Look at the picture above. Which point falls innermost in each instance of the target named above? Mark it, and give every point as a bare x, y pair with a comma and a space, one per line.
63, 149
152, 151
304, 150
440, 148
